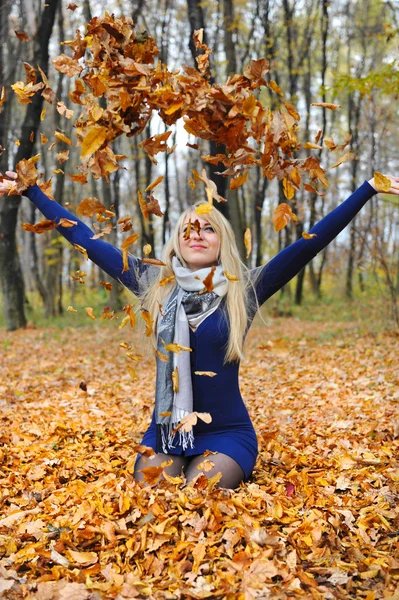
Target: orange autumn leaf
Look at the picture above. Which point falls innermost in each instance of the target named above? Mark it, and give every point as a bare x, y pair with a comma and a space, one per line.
152, 474
208, 281
166, 280
308, 236
148, 321
282, 216
154, 184
81, 250
203, 209
90, 313
328, 105
188, 422
90, 206
248, 241
153, 261
175, 380
238, 181
41, 227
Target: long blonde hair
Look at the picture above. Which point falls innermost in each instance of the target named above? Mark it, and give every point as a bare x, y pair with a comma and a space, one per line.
237, 291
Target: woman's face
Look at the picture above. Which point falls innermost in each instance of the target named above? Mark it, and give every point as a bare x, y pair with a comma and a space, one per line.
201, 248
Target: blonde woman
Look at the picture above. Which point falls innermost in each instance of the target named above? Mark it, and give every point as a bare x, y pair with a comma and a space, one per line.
212, 325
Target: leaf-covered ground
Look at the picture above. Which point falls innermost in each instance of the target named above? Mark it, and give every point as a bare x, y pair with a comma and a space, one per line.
318, 519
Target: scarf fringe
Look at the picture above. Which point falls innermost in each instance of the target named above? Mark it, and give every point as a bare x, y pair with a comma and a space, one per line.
166, 437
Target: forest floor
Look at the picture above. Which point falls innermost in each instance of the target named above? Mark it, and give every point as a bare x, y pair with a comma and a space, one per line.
318, 519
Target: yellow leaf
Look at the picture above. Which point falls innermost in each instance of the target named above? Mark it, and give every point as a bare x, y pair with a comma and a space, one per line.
83, 558
275, 87
289, 190
167, 280
308, 236
230, 277
43, 113
93, 140
62, 138
204, 209
132, 373
147, 249
382, 182
71, 309
175, 379
206, 373
177, 348
89, 312
344, 158
248, 241
81, 250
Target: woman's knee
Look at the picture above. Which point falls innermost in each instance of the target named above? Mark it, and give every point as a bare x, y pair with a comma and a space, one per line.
157, 460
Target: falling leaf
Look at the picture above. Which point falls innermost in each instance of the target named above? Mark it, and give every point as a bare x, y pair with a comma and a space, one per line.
62, 156
176, 348
62, 138
72, 6
175, 380
147, 249
276, 88
188, 422
248, 241
166, 280
93, 141
90, 206
106, 285
204, 209
282, 216
67, 222
308, 236
206, 465
344, 158
153, 261
206, 373
22, 36
41, 227
81, 250
382, 182
71, 309
230, 277
238, 181
149, 322
328, 105
208, 281
152, 474
89, 312
154, 183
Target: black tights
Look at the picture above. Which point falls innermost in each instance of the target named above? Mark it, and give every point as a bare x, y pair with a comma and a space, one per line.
232, 474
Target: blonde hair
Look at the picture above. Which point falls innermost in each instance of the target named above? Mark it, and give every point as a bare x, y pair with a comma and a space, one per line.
237, 291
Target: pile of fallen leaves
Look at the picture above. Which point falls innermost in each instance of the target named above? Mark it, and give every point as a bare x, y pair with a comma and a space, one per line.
318, 519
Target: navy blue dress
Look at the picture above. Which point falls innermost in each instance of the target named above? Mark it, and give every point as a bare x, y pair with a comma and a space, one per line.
231, 431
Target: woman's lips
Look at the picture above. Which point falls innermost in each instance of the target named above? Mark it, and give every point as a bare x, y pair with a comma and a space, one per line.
197, 247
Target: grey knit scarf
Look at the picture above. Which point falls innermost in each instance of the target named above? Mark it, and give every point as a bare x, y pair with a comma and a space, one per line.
187, 304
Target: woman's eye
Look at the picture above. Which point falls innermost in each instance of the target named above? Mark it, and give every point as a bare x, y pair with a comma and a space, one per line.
209, 229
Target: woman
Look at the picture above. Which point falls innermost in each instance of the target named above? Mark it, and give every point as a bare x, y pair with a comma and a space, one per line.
210, 320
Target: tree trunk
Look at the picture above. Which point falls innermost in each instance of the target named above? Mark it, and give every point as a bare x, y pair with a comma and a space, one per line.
10, 269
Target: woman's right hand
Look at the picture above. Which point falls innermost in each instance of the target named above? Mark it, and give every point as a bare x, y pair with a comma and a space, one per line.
7, 183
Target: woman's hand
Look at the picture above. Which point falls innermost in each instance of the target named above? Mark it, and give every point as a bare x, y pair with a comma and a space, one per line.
394, 185
7, 183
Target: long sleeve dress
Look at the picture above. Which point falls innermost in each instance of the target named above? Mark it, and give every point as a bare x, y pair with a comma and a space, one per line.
231, 431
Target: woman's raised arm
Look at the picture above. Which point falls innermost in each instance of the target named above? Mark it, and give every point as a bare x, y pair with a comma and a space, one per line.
286, 264
106, 256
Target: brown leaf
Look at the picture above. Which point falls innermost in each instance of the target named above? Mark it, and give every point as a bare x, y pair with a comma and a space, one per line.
206, 373
22, 36
154, 184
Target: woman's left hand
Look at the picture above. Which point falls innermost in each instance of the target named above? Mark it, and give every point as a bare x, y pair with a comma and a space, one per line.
394, 185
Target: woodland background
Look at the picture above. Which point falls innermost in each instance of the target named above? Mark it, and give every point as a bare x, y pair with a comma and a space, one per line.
343, 51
